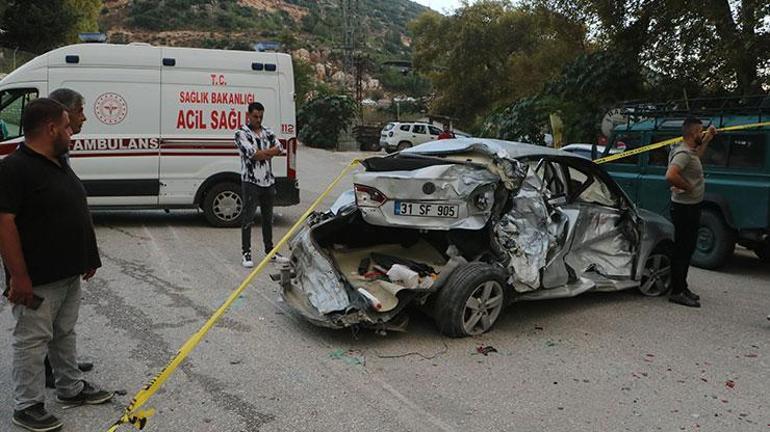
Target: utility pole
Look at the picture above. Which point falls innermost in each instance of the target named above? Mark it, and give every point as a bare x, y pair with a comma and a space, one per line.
353, 59
350, 29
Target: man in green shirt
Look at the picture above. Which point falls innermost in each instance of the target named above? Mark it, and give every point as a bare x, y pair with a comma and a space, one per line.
685, 174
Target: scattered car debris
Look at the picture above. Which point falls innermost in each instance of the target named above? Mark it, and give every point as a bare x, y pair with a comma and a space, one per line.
350, 357
485, 349
444, 350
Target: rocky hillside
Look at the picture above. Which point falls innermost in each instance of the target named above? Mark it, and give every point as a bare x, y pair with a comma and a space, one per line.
315, 25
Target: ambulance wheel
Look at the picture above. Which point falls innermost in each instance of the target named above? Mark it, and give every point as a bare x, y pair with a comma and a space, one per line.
223, 204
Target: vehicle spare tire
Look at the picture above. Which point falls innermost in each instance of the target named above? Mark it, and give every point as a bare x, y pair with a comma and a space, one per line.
471, 301
715, 243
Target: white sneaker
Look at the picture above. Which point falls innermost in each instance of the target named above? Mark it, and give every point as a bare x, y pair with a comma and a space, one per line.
247, 262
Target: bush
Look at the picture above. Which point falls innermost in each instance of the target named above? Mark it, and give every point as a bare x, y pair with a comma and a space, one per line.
586, 88
322, 119
526, 120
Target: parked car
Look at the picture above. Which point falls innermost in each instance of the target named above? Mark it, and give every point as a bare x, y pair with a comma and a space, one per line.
399, 136
736, 207
464, 227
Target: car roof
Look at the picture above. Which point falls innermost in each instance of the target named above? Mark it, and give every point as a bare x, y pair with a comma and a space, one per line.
505, 149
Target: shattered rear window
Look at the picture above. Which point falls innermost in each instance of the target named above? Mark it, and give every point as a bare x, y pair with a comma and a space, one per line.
596, 193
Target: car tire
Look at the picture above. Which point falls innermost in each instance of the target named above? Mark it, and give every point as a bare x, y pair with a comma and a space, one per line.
763, 252
715, 243
403, 145
223, 204
656, 276
456, 314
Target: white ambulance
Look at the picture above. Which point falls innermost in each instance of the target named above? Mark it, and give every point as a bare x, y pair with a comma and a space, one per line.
161, 122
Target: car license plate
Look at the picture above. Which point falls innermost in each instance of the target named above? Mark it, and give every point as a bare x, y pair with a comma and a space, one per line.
406, 208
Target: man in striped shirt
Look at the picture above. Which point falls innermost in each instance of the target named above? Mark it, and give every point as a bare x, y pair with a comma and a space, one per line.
257, 146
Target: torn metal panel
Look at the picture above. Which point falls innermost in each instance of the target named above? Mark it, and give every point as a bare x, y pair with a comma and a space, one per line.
600, 244
323, 288
315, 277
463, 186
489, 153
528, 233
654, 228
344, 204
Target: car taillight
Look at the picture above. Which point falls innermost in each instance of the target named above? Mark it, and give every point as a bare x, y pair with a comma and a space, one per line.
483, 199
368, 196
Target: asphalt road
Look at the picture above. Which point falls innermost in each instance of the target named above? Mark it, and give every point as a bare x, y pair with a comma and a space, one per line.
600, 362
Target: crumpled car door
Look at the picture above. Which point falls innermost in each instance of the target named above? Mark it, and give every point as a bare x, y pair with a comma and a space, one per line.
605, 237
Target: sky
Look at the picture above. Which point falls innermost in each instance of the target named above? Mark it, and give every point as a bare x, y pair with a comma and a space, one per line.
440, 5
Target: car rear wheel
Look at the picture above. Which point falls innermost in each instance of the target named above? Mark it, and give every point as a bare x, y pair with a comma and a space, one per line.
656, 277
403, 145
471, 301
716, 241
223, 205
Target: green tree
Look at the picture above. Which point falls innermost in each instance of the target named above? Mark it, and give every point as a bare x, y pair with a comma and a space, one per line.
304, 81
710, 46
491, 53
86, 14
36, 25
322, 119
410, 84
584, 91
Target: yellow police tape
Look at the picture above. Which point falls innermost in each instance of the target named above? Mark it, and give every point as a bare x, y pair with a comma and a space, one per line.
669, 142
138, 418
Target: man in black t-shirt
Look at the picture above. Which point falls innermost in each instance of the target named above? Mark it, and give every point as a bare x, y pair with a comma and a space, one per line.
47, 243
73, 102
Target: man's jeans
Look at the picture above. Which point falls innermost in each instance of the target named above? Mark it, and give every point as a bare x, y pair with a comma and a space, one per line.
49, 329
254, 195
686, 219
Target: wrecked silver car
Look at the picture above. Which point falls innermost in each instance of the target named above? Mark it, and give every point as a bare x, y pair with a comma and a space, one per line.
463, 227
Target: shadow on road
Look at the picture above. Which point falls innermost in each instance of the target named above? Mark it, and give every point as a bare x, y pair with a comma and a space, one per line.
159, 218
745, 263
516, 320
